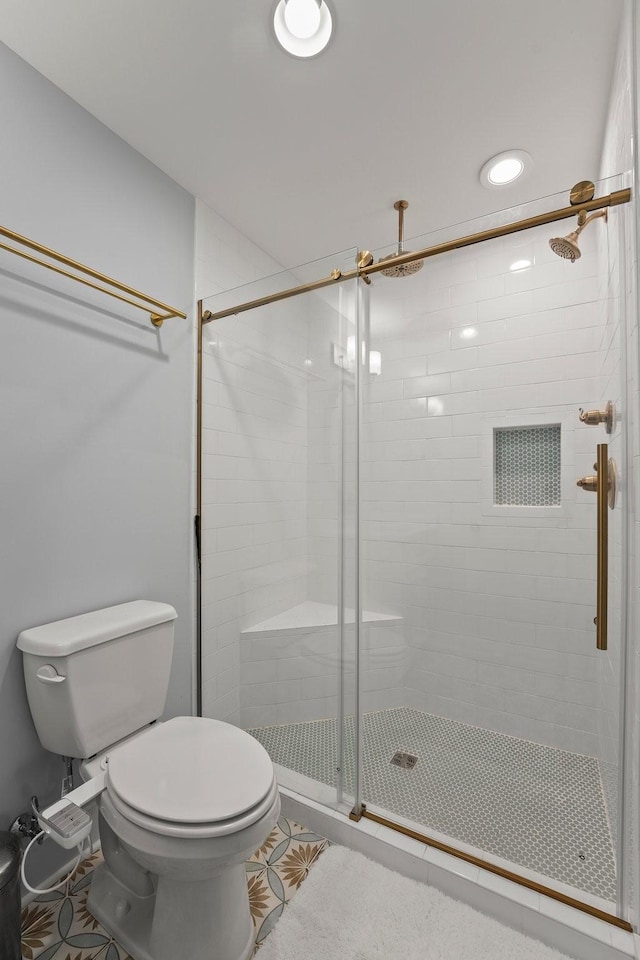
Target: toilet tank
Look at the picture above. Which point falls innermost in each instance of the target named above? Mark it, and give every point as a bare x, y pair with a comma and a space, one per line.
94, 679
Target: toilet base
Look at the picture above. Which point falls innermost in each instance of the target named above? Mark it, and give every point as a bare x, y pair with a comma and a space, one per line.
125, 916
207, 920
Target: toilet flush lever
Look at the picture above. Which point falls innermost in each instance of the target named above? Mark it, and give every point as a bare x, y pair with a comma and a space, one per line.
49, 674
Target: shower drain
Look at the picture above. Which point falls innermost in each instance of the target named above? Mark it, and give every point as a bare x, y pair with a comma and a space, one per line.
403, 759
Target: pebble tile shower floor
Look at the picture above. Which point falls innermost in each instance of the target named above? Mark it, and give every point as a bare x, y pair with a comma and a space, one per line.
537, 806
58, 926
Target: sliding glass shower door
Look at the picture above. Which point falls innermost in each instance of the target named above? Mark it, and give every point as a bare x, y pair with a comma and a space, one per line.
490, 720
398, 566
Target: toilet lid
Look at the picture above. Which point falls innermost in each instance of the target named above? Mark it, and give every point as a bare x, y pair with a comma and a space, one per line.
191, 770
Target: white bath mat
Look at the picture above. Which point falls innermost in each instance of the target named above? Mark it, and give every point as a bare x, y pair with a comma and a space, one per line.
350, 908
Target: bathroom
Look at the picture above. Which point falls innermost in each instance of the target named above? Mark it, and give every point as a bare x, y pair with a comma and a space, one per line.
100, 435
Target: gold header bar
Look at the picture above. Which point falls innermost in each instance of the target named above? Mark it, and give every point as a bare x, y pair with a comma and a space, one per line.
157, 310
611, 200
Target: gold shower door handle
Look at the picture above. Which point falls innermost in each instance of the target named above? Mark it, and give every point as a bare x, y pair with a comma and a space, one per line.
604, 484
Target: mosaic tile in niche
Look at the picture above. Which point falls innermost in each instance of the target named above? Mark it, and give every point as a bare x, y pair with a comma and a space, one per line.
527, 466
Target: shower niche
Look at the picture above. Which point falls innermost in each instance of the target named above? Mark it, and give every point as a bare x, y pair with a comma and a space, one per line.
527, 465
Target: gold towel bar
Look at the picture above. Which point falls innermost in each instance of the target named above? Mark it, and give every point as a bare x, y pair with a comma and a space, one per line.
603, 482
157, 310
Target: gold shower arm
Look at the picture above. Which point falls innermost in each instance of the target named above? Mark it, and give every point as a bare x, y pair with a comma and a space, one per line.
400, 206
157, 310
584, 220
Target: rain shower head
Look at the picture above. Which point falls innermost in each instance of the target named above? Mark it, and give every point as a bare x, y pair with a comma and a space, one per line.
567, 247
401, 269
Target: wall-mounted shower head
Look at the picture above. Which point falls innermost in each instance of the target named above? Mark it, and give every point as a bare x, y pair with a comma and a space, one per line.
567, 247
401, 269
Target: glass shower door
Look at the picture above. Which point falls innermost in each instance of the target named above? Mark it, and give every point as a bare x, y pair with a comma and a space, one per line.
279, 419
490, 720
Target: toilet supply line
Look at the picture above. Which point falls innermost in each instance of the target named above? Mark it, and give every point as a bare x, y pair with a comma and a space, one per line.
38, 837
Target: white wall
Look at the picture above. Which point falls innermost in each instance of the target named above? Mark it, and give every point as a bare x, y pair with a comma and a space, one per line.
498, 605
276, 479
96, 406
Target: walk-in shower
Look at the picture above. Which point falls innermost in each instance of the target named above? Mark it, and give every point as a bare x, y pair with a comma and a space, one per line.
399, 572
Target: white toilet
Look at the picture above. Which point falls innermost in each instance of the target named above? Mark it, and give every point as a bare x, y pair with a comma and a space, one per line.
186, 802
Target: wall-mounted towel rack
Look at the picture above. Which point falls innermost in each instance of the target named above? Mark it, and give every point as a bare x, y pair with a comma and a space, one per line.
158, 311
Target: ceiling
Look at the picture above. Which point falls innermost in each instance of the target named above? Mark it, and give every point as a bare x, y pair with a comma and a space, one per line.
307, 157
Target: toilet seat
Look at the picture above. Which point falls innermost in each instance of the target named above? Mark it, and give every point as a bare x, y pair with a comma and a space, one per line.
191, 777
195, 831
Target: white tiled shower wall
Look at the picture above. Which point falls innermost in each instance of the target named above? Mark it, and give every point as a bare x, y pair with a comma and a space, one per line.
498, 605
496, 609
254, 463
332, 459
293, 675
269, 496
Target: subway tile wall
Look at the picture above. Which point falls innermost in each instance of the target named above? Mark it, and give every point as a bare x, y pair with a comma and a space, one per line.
296, 677
496, 608
276, 484
254, 461
497, 603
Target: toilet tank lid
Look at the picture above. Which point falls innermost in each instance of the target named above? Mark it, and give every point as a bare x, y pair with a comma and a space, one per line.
63, 637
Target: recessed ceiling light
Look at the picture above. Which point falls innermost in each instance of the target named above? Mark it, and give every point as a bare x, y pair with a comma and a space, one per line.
520, 265
505, 168
303, 27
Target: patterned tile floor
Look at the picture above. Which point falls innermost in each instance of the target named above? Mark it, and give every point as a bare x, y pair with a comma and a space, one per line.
58, 926
533, 805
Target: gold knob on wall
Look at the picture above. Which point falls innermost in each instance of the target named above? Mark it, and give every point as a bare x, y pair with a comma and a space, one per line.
588, 483
593, 417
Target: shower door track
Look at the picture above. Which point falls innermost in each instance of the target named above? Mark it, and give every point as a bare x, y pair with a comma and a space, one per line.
366, 265
358, 812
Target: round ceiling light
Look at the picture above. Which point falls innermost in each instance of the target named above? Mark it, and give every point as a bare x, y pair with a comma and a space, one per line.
303, 27
505, 168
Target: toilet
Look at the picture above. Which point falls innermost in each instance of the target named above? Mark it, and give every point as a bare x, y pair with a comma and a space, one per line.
186, 801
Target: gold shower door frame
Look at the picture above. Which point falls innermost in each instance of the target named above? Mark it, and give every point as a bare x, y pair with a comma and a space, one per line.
364, 268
